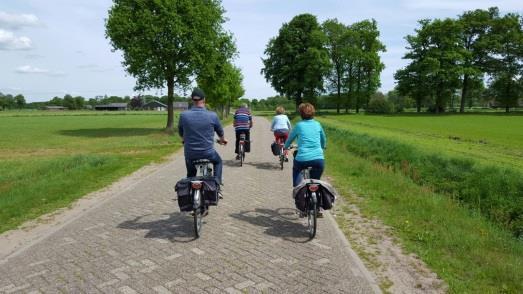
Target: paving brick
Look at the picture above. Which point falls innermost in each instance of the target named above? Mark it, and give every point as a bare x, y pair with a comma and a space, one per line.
139, 242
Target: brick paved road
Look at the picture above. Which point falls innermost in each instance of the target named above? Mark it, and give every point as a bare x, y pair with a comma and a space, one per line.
139, 242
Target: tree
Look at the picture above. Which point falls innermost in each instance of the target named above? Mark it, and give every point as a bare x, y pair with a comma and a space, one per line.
79, 102
69, 102
222, 86
165, 42
368, 63
474, 28
337, 45
136, 102
435, 70
297, 60
19, 101
56, 101
506, 60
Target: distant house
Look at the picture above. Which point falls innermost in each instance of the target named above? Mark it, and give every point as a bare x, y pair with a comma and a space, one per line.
54, 108
181, 105
112, 107
154, 105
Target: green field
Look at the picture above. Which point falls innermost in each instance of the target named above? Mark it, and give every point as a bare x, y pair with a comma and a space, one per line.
49, 159
489, 138
450, 186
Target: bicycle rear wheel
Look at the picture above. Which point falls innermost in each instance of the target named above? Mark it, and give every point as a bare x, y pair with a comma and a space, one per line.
312, 216
242, 155
197, 213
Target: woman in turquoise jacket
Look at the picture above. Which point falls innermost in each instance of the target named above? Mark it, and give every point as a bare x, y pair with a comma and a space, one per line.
311, 142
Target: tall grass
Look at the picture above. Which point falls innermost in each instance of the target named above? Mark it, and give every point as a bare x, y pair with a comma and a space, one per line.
493, 191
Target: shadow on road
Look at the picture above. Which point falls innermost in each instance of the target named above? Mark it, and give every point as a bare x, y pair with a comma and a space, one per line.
109, 132
282, 222
264, 165
177, 227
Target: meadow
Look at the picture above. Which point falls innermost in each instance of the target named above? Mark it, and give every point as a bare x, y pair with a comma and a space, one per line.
50, 159
450, 187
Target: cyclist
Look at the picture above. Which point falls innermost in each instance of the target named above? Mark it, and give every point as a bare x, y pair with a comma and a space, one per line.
281, 125
311, 142
242, 125
197, 127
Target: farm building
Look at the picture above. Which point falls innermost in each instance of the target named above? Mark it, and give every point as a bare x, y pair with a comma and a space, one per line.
54, 108
112, 107
154, 105
181, 105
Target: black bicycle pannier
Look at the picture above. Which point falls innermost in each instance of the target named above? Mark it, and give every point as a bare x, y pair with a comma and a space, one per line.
183, 190
275, 148
326, 192
210, 191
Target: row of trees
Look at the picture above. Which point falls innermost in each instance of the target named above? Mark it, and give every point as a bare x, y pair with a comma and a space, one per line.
307, 59
8, 101
175, 43
452, 56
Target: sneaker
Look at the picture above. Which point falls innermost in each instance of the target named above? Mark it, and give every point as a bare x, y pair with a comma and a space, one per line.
319, 214
205, 213
220, 194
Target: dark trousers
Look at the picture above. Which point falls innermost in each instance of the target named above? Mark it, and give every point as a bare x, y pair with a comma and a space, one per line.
317, 169
214, 157
247, 138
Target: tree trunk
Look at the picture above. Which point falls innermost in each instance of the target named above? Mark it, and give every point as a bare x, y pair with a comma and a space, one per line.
418, 105
170, 102
339, 94
299, 100
464, 92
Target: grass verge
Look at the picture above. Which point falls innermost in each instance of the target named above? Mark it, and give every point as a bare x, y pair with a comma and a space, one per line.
469, 252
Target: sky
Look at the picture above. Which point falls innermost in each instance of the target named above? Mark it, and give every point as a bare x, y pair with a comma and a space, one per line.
55, 47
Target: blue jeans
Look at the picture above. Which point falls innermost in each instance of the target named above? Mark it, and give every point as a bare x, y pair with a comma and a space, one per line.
317, 169
214, 157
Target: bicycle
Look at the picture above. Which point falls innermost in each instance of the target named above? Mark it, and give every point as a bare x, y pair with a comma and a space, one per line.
281, 145
204, 168
313, 200
241, 148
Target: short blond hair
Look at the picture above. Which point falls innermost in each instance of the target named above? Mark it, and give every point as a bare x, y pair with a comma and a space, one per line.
280, 110
307, 110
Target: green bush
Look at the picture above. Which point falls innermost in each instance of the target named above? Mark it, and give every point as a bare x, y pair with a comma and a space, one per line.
493, 191
379, 104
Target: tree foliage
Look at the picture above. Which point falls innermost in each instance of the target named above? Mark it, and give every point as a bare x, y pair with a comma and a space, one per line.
296, 60
166, 42
456, 55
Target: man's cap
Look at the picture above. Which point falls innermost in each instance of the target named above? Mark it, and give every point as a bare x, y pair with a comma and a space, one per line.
197, 94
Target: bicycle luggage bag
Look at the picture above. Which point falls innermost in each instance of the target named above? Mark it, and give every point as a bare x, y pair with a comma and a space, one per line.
275, 149
327, 193
183, 190
210, 190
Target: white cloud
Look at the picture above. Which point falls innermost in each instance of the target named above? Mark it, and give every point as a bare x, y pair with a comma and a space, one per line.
28, 69
9, 41
16, 21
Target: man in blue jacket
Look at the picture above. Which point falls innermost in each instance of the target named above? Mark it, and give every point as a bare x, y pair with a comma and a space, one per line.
197, 127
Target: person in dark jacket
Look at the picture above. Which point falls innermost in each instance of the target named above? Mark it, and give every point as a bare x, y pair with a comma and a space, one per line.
197, 127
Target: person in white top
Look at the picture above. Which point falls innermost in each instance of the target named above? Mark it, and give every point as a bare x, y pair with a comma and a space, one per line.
281, 126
